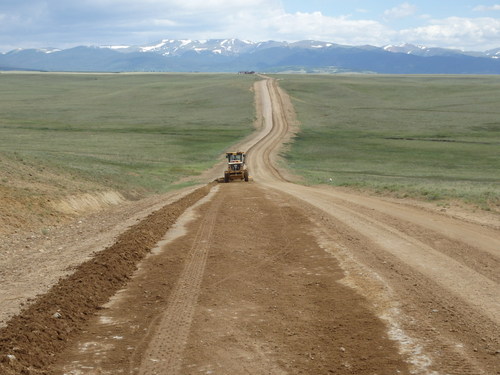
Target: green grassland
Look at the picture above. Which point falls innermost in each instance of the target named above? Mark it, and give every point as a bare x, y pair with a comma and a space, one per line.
436, 137
130, 132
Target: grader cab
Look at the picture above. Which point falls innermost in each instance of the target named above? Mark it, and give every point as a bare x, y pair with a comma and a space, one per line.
236, 167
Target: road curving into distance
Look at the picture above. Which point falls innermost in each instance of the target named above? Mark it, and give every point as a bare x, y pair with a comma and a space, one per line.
432, 279
273, 277
445, 271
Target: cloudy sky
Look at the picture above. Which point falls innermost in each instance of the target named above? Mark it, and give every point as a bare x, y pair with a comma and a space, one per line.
464, 24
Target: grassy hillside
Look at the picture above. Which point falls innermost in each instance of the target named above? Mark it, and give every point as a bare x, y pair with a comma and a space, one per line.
436, 137
130, 132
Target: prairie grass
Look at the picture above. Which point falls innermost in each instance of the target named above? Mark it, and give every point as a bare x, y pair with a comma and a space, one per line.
130, 132
434, 137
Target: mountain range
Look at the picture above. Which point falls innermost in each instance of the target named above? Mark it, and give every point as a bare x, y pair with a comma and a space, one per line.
233, 55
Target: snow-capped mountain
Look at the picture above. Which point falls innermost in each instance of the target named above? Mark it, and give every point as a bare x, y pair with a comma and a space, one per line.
493, 53
419, 50
172, 47
230, 55
226, 47
216, 46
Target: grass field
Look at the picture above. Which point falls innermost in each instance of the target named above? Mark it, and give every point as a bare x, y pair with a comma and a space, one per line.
435, 137
129, 132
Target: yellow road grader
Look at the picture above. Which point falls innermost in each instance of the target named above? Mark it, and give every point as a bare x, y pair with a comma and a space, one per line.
236, 167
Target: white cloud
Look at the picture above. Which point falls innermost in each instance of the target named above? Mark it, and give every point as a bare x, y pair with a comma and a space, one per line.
487, 8
182, 6
62, 23
164, 22
342, 30
222, 5
454, 32
466, 33
401, 11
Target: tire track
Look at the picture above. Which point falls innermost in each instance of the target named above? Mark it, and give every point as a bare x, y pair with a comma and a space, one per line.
261, 154
470, 296
413, 336
449, 273
164, 353
398, 234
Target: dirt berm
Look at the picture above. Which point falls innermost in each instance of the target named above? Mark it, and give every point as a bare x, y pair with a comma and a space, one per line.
31, 339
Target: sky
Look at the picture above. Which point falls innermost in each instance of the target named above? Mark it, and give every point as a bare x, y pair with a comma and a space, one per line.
472, 25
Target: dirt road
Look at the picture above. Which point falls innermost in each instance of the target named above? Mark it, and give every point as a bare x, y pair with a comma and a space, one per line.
271, 277
439, 275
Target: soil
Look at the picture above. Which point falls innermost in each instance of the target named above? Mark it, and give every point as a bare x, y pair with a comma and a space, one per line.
31, 261
233, 302
266, 277
42, 330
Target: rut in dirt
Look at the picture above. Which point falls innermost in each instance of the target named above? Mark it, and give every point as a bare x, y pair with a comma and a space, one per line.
437, 275
166, 347
31, 341
269, 301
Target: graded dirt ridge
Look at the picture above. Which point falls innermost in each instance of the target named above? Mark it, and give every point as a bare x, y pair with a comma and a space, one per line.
31, 339
272, 277
233, 302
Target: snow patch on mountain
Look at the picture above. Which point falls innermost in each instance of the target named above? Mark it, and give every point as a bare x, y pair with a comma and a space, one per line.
154, 47
116, 47
236, 47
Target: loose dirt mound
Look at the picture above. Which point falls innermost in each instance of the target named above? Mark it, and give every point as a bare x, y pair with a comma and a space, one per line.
247, 290
30, 340
88, 202
29, 190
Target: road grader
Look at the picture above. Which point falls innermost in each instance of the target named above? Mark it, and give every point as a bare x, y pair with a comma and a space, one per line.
236, 167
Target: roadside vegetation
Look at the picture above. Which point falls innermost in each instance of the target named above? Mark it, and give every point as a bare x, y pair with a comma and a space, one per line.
431, 137
105, 137
135, 133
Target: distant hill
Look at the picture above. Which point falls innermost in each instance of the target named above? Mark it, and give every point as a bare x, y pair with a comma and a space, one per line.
233, 55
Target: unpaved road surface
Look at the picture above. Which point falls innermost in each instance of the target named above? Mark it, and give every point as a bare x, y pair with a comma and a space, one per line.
271, 277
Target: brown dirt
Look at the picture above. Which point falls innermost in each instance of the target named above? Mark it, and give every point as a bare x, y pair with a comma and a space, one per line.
31, 339
437, 274
273, 277
233, 302
31, 260
30, 195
